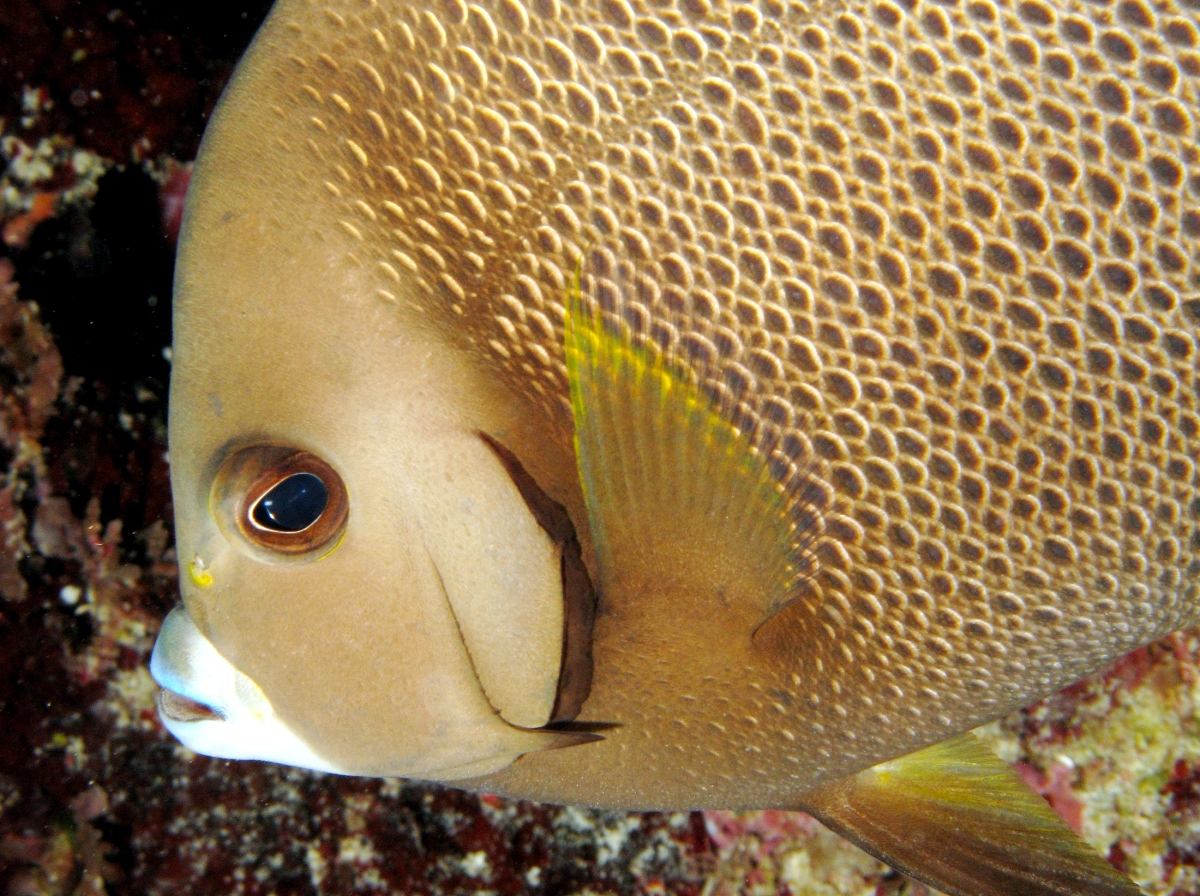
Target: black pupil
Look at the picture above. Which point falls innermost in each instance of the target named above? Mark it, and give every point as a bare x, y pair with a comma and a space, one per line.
293, 505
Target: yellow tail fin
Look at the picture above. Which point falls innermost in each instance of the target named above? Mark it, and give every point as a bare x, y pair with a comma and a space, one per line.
958, 818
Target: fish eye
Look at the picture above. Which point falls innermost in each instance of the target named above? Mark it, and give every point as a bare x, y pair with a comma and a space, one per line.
279, 502
293, 505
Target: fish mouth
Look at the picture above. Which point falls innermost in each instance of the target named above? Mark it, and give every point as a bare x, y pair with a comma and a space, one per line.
179, 708
215, 709
181, 658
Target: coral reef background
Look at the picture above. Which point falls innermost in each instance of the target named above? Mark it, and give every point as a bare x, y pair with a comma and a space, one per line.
101, 110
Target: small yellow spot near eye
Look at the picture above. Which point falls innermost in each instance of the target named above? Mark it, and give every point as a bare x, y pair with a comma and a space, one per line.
198, 573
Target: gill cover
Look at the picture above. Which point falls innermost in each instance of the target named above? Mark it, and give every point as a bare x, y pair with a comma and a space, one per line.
341, 661
421, 635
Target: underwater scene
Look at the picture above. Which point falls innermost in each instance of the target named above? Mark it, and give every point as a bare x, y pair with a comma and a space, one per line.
1028, 187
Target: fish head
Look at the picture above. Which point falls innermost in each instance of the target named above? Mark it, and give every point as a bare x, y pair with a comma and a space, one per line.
365, 589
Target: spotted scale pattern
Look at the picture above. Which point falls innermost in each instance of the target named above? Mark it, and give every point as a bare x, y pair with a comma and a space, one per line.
946, 252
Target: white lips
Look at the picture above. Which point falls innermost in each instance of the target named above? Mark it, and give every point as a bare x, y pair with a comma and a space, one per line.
185, 662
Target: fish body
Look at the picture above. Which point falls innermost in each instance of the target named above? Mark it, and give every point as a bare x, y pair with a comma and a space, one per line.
937, 265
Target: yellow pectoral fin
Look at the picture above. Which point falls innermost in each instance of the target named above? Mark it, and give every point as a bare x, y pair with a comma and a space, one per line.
673, 487
958, 818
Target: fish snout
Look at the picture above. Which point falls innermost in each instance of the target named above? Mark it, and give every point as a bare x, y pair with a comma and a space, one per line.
215, 709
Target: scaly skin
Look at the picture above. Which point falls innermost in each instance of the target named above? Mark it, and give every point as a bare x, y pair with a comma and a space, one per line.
947, 253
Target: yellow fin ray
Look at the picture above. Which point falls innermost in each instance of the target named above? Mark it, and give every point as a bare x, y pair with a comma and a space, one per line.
958, 818
668, 479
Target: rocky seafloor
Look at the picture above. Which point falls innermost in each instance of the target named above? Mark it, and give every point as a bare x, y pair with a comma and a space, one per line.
101, 107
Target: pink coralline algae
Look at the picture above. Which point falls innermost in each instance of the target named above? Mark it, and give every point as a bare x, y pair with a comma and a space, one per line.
1056, 786
1183, 792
